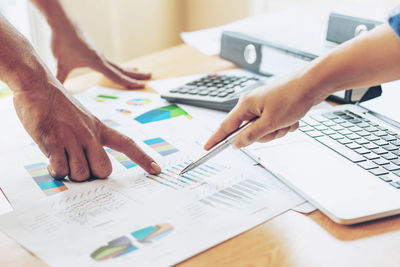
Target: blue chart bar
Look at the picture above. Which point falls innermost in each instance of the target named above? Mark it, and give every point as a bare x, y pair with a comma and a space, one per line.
43, 179
170, 176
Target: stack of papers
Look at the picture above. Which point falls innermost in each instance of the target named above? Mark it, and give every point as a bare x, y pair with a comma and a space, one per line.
303, 28
132, 217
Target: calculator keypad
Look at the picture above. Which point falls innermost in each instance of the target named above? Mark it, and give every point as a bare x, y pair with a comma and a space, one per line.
215, 85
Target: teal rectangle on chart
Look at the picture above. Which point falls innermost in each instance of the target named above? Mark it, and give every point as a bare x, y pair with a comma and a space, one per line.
154, 141
143, 233
51, 184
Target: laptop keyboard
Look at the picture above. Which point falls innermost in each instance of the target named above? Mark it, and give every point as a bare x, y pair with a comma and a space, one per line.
366, 143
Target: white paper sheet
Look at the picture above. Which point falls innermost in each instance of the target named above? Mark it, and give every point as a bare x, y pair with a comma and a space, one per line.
387, 103
292, 27
299, 26
132, 217
5, 206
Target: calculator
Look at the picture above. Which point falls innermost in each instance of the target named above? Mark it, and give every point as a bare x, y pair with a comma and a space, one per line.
214, 91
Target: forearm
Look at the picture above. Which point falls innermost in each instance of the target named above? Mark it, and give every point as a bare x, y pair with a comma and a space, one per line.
20, 66
56, 16
370, 59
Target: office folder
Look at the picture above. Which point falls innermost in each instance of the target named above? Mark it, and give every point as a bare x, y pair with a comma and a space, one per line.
270, 58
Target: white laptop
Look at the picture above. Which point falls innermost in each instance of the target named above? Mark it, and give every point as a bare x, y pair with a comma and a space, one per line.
345, 160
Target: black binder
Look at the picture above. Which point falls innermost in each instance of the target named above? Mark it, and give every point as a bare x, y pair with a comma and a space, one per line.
252, 53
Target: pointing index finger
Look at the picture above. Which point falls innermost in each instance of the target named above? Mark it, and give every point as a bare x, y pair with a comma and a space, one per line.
126, 145
229, 125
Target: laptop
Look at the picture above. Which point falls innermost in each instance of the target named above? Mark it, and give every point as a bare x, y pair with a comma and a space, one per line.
344, 160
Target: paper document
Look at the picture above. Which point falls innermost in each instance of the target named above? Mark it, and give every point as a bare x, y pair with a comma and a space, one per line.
5, 206
307, 34
387, 103
133, 218
301, 26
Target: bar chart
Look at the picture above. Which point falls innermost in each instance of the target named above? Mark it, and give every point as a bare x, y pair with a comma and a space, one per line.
123, 111
162, 113
104, 98
161, 146
236, 196
170, 177
152, 233
138, 101
43, 179
121, 158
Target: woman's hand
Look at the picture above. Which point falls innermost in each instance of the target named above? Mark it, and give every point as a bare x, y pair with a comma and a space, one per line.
279, 107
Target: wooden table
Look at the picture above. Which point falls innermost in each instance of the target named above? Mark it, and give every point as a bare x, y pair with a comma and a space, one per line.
291, 239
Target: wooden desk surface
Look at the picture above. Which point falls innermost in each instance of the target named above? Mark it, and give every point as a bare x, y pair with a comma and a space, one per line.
291, 239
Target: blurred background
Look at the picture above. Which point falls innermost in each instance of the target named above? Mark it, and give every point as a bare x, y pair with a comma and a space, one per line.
125, 29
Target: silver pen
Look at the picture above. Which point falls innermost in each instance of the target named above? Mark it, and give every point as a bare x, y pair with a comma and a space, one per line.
222, 145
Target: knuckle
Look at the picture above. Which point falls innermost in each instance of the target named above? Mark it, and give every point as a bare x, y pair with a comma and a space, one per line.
250, 136
80, 172
294, 126
60, 171
282, 132
87, 135
51, 143
105, 169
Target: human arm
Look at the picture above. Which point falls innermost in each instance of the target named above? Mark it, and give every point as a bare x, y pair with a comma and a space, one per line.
72, 49
69, 135
369, 59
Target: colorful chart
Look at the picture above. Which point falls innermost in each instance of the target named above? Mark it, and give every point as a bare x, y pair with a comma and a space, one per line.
152, 233
124, 111
139, 101
163, 113
237, 195
4, 90
115, 248
123, 245
48, 184
104, 98
161, 146
170, 177
110, 123
121, 158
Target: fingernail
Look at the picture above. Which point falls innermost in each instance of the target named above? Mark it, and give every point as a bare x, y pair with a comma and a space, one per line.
51, 171
155, 167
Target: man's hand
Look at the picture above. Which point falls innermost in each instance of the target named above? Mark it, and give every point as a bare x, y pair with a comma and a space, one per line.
72, 49
279, 108
70, 136
65, 131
